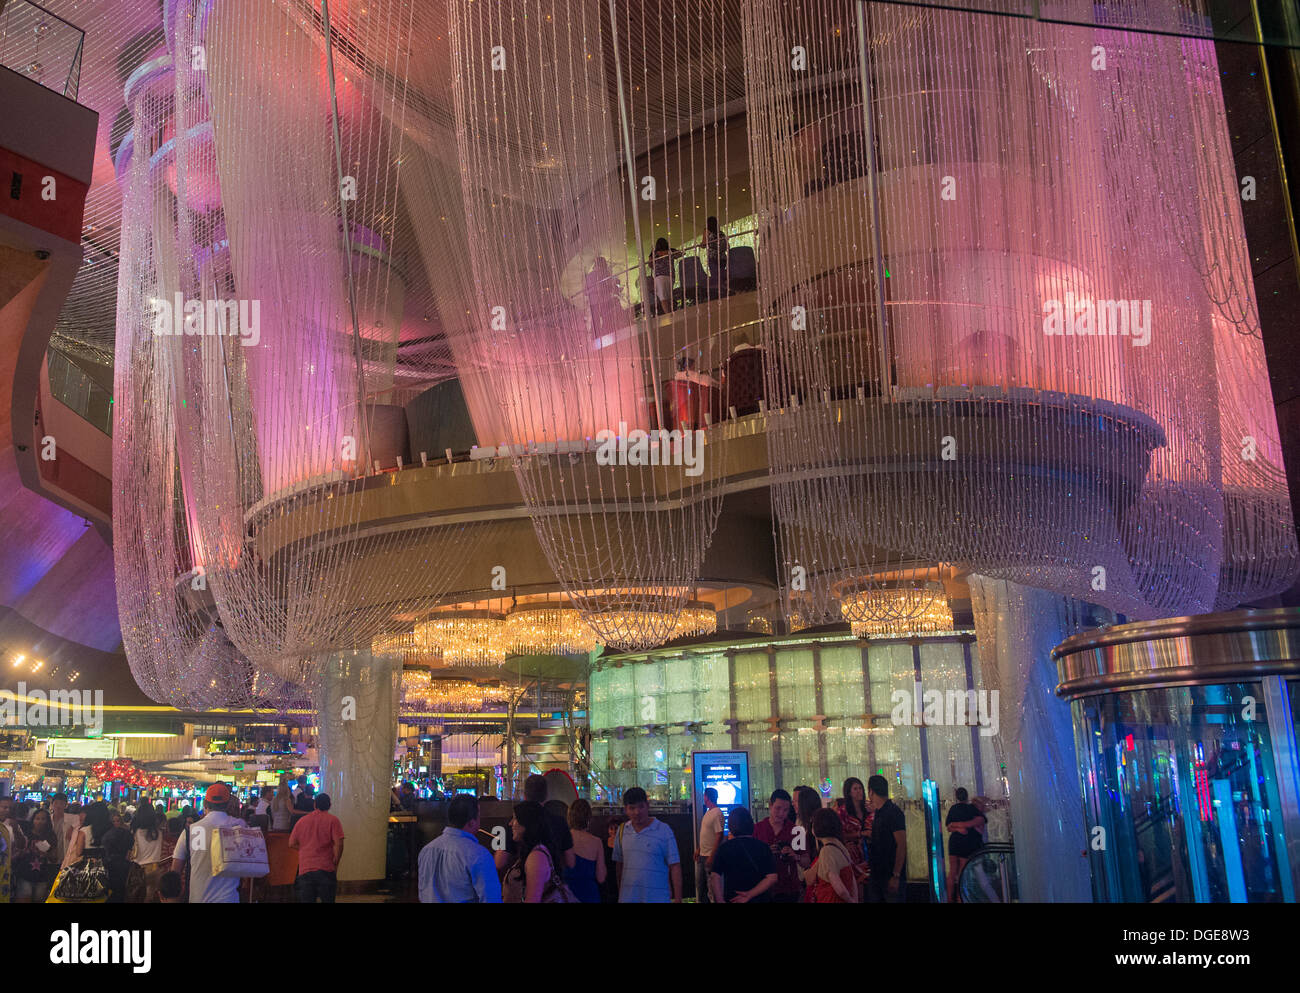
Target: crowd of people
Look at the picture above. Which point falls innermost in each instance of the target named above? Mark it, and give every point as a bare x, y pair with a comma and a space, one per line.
803, 851
144, 847
852, 851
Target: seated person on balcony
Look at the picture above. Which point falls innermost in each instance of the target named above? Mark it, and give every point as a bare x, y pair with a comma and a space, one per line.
715, 245
662, 261
693, 393
602, 297
743, 343
686, 372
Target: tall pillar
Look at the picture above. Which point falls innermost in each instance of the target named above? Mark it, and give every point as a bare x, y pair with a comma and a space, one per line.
1016, 628
356, 703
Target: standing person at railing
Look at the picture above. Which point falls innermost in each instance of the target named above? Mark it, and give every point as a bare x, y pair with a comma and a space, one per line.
603, 297
716, 246
661, 260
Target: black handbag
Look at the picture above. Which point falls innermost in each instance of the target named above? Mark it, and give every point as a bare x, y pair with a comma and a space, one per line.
85, 881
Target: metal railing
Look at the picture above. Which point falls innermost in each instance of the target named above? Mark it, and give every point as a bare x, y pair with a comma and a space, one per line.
41, 46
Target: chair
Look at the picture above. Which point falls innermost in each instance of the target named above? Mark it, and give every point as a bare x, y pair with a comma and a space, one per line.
687, 403
742, 269
695, 281
745, 380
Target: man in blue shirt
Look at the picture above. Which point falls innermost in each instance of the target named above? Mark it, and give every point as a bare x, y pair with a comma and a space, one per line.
645, 852
454, 867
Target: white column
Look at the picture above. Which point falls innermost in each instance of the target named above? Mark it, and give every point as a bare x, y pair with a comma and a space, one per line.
1016, 628
356, 704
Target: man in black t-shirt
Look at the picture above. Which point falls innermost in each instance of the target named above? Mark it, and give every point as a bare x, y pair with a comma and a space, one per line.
743, 869
888, 860
964, 823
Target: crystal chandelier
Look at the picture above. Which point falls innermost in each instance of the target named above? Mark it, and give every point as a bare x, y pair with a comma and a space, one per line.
548, 629
407, 646
896, 609
464, 637
420, 690
974, 357
624, 617
696, 618
569, 365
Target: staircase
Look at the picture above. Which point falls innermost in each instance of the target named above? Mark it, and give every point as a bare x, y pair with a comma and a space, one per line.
545, 749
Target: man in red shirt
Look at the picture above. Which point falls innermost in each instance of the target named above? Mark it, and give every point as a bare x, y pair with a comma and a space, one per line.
318, 837
776, 831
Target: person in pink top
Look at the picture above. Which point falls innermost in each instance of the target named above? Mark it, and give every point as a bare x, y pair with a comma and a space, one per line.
318, 838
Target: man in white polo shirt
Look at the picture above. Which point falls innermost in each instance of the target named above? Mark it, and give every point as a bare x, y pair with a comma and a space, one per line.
646, 856
204, 887
710, 836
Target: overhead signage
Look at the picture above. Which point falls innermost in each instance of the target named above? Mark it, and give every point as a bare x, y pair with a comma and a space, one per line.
81, 748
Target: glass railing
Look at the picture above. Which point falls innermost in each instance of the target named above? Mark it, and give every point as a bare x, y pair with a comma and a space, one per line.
695, 278
41, 46
79, 393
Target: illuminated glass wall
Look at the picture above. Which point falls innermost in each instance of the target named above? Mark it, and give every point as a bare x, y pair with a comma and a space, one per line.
809, 712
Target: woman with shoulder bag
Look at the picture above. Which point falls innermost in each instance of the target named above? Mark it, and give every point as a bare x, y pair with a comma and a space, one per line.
830, 878
83, 877
532, 878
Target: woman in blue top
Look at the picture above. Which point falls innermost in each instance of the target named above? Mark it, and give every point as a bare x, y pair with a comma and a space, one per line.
588, 873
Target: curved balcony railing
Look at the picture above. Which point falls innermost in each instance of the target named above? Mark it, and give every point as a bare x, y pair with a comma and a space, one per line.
79, 393
693, 282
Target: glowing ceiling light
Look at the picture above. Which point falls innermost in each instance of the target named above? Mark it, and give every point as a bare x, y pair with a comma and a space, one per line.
696, 618
464, 637
421, 690
548, 629
917, 608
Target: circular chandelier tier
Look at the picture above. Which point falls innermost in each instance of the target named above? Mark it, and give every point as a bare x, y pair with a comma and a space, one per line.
896, 608
393, 643
548, 629
421, 690
622, 620
696, 618
465, 637
407, 646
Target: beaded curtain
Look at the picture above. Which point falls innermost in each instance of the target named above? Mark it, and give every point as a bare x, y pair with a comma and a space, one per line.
256, 182
587, 132
925, 266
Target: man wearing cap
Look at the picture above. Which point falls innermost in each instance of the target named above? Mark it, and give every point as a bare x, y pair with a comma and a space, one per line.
204, 887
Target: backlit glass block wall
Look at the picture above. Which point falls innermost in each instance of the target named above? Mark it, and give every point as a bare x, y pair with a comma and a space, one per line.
809, 712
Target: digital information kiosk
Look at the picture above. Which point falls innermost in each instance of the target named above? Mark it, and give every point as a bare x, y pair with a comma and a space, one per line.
726, 772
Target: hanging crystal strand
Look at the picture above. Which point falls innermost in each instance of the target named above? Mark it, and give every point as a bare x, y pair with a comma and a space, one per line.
1016, 192
224, 436
567, 359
